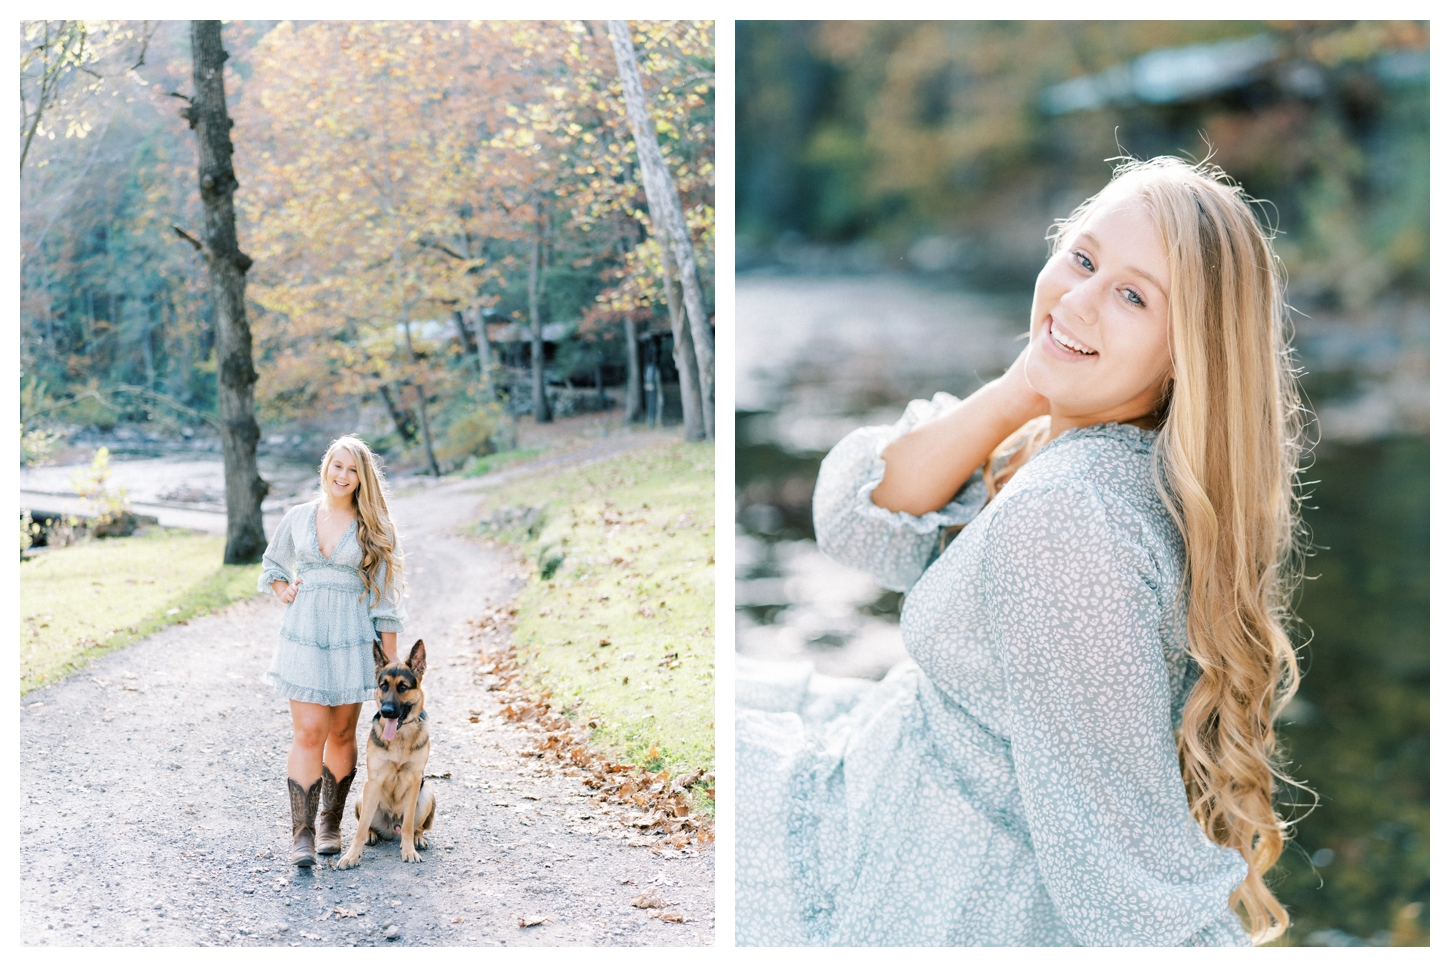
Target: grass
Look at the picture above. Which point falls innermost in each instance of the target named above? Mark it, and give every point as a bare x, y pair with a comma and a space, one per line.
478, 466
80, 602
617, 620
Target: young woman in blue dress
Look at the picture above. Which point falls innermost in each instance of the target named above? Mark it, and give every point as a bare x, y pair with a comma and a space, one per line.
1082, 750
335, 562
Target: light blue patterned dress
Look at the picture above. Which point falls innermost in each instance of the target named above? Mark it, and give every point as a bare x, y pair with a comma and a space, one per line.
324, 653
1017, 783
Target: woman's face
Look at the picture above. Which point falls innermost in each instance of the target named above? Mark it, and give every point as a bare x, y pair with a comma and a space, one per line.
1099, 350
340, 477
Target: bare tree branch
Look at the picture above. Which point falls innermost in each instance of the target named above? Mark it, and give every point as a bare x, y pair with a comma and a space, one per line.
196, 244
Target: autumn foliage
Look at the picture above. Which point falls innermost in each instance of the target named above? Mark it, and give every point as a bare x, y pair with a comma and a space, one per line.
399, 172
395, 179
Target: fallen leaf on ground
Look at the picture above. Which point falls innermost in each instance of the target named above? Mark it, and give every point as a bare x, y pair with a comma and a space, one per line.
533, 921
668, 916
343, 912
650, 899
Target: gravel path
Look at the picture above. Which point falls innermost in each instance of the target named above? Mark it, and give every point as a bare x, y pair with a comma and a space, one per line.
153, 806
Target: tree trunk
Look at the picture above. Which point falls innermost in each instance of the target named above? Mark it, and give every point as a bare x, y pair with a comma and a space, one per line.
422, 398
400, 416
685, 360
599, 376
667, 215
423, 421
485, 359
227, 267
536, 326
633, 405
465, 339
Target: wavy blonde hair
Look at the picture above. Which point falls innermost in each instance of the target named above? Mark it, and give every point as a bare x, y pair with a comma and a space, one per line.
376, 534
1227, 459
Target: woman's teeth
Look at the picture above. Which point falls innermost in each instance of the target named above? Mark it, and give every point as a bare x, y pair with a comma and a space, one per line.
1066, 343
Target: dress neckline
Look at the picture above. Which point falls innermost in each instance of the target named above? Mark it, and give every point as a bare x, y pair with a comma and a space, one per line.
1135, 436
317, 538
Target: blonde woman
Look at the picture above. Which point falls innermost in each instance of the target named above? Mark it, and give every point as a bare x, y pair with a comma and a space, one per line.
344, 594
1082, 751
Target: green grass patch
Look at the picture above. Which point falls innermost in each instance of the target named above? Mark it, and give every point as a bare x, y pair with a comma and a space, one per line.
80, 602
617, 621
479, 466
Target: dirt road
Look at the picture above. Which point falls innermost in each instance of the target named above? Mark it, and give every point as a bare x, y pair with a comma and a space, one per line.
153, 805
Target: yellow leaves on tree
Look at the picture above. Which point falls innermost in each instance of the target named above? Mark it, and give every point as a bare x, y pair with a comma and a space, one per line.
395, 172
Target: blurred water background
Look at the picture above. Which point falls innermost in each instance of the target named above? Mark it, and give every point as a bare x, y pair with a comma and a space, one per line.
894, 185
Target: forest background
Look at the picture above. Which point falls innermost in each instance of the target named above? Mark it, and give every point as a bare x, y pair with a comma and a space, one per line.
427, 205
895, 181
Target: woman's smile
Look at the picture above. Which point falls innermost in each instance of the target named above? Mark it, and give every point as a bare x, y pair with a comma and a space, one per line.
1061, 339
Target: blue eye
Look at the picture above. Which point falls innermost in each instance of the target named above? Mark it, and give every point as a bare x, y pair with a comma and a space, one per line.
1135, 298
1083, 260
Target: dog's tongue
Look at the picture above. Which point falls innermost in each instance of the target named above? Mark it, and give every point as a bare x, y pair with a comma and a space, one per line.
390, 729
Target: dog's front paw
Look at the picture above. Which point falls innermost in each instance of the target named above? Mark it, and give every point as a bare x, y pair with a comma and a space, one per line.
410, 855
420, 841
347, 861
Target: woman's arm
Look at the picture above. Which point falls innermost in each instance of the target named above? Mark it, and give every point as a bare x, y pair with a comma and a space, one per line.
926, 467
278, 559
390, 644
387, 611
893, 547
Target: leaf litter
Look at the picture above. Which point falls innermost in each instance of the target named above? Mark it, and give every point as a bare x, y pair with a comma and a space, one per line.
660, 802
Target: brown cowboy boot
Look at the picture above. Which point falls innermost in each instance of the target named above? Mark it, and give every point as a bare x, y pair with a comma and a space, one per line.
304, 813
329, 814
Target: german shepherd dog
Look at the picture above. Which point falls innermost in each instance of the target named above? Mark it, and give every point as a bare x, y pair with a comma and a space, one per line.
396, 801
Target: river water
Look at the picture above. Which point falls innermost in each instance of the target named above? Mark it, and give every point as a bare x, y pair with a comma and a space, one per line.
817, 357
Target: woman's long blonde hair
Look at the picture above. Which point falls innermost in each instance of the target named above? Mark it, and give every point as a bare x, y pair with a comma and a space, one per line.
1227, 458
376, 534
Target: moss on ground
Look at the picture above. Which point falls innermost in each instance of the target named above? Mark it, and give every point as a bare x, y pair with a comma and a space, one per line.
617, 620
80, 602
479, 466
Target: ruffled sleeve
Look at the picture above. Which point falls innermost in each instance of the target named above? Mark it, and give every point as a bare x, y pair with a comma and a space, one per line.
893, 547
387, 613
1090, 723
281, 554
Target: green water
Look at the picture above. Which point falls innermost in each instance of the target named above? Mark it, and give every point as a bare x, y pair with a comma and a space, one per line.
1358, 870
1362, 741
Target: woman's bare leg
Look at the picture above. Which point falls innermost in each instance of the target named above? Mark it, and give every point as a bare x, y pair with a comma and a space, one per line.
340, 752
304, 777
310, 725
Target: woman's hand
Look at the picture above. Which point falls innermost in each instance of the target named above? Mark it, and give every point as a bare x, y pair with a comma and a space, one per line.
925, 468
285, 592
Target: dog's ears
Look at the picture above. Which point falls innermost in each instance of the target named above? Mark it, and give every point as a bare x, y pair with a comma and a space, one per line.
418, 659
380, 657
